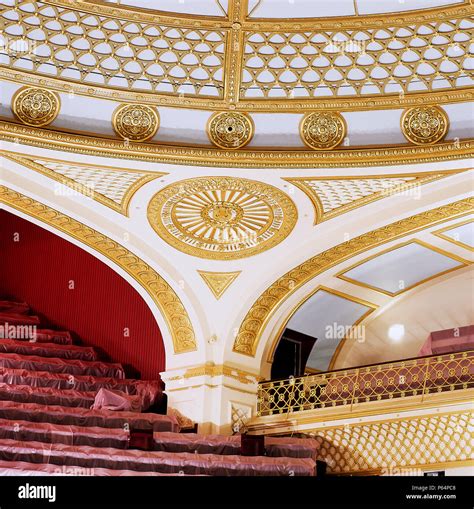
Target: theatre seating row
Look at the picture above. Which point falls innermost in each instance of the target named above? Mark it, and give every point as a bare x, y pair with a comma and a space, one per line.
55, 418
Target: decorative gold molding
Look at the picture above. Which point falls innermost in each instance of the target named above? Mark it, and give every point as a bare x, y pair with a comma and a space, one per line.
221, 218
271, 299
296, 105
136, 122
230, 129
462, 263
441, 234
261, 158
412, 180
122, 207
213, 370
35, 106
173, 310
424, 125
323, 131
218, 282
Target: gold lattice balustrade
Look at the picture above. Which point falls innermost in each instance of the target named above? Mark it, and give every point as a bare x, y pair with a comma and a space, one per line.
348, 387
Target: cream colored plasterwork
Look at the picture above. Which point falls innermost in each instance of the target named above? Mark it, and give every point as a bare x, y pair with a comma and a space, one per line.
264, 307
173, 310
111, 186
337, 195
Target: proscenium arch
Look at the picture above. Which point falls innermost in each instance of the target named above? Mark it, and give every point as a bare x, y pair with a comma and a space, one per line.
257, 318
148, 280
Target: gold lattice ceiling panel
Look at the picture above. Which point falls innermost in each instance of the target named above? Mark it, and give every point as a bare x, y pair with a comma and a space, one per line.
118, 52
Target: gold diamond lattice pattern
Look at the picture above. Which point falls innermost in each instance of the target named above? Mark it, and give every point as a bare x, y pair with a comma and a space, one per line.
222, 217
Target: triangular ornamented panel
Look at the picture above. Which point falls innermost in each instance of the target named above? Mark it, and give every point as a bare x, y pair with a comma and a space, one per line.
113, 187
218, 282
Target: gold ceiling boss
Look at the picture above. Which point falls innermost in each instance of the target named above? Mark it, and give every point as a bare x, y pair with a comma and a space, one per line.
222, 218
425, 125
230, 129
35, 106
323, 131
135, 122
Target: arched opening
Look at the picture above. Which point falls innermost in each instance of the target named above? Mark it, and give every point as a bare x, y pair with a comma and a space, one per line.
70, 289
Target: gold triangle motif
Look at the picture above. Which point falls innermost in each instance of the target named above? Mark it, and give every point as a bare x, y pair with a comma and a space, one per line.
332, 196
218, 282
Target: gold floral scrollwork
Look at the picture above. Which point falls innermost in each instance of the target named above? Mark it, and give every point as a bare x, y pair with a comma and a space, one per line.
173, 310
135, 122
425, 125
221, 218
35, 106
323, 131
230, 129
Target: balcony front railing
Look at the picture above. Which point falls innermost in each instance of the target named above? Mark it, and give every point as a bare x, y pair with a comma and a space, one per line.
400, 379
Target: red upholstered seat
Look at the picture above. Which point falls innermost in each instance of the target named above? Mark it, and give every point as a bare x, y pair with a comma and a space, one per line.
7, 306
146, 461
55, 365
147, 390
64, 434
83, 417
24, 468
20, 347
18, 319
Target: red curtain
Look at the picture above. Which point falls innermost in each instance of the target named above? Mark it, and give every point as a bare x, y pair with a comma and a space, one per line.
71, 289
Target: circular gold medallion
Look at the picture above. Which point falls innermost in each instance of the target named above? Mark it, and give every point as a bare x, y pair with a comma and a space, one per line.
35, 106
425, 125
230, 129
135, 122
323, 131
222, 217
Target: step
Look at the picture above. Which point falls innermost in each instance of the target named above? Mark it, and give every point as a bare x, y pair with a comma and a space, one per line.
84, 353
149, 391
223, 445
46, 395
23, 468
146, 461
64, 434
83, 417
54, 365
18, 319
7, 306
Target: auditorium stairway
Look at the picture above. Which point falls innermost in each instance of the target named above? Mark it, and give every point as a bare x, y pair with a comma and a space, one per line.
64, 411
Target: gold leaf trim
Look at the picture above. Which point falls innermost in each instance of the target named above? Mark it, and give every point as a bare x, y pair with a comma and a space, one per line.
271, 299
263, 158
173, 310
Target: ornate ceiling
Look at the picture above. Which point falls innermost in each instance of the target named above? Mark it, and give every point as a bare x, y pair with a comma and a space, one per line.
230, 159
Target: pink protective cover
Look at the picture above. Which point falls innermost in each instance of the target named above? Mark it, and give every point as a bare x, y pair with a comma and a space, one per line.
116, 400
42, 349
207, 464
448, 340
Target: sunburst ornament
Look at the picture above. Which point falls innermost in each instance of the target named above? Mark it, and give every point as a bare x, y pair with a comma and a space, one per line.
222, 217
